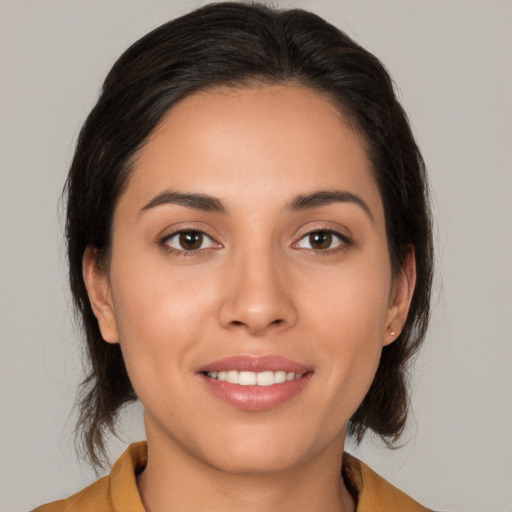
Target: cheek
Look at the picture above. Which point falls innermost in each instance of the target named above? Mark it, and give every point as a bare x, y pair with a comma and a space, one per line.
347, 315
160, 313
149, 292
350, 302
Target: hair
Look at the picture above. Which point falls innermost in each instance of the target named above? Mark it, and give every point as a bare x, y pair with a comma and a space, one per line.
239, 44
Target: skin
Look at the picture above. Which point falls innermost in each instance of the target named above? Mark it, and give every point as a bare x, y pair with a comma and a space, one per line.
256, 286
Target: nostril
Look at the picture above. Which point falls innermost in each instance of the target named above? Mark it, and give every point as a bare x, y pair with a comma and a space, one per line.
277, 322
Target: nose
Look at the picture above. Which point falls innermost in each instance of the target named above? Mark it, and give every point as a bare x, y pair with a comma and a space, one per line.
259, 296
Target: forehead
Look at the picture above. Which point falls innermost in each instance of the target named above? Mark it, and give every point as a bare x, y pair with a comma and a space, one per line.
272, 141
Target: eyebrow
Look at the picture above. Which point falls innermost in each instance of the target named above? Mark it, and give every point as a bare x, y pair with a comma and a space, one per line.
209, 203
325, 198
202, 202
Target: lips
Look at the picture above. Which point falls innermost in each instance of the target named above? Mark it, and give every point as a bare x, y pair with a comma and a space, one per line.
255, 364
255, 383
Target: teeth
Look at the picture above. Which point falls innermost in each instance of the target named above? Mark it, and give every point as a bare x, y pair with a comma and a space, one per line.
232, 377
254, 379
265, 378
247, 378
279, 377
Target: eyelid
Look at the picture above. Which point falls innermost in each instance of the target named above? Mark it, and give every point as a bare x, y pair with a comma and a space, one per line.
346, 239
332, 227
175, 231
177, 234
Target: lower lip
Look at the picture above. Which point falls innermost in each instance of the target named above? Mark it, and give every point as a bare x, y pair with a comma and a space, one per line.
256, 398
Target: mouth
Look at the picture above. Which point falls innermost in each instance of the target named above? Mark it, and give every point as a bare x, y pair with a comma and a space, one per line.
247, 378
255, 383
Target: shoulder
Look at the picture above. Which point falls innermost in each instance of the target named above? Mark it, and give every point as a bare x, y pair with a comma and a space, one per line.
113, 493
118, 491
373, 493
94, 497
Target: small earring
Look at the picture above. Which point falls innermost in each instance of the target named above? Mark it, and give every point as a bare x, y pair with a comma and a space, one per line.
392, 333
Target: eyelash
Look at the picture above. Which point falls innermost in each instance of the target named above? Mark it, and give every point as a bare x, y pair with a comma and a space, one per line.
183, 252
345, 242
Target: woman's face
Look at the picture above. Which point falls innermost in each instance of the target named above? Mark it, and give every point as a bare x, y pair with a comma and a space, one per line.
249, 246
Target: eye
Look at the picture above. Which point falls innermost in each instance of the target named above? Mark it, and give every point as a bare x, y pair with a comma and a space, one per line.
189, 241
322, 240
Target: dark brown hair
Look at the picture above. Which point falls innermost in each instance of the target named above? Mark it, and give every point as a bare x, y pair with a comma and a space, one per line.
241, 44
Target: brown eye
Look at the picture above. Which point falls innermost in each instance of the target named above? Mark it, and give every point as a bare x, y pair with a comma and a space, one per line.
190, 240
322, 240
187, 241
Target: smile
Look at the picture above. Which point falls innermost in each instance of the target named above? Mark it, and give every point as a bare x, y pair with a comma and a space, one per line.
246, 378
255, 383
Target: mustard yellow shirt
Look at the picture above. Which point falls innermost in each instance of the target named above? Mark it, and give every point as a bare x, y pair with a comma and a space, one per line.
117, 492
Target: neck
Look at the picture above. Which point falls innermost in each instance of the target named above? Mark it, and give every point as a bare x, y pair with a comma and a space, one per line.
175, 480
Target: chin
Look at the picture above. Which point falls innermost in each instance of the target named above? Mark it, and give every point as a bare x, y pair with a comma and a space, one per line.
260, 450
259, 461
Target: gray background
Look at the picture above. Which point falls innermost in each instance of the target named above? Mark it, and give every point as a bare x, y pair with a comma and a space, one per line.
452, 62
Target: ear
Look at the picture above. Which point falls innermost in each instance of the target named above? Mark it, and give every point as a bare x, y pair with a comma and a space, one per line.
100, 297
400, 300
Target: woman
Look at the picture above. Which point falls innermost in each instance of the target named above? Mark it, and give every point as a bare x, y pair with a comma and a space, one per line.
250, 251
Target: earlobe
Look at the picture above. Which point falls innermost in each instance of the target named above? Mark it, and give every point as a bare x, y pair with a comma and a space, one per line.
401, 299
100, 297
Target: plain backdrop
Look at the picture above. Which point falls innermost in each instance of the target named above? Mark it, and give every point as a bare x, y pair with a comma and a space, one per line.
452, 62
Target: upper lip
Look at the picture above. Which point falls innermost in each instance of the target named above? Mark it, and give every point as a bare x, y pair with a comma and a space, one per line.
255, 364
